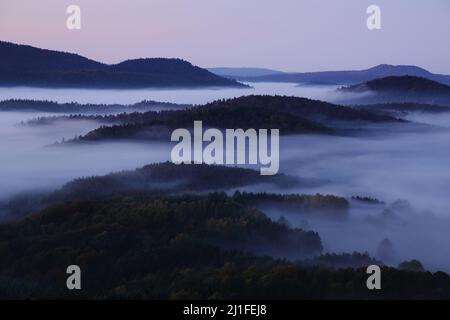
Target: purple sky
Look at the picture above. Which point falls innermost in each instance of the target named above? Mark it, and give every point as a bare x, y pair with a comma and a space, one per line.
290, 35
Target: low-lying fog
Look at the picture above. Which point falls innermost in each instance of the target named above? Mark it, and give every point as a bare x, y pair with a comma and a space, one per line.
408, 169
411, 165
28, 161
182, 96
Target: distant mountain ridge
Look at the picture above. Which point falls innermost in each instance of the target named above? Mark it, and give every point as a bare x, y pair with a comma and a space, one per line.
349, 77
23, 65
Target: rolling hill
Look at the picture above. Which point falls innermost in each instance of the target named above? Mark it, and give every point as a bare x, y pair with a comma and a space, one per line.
150, 181
22, 65
205, 247
401, 89
405, 84
292, 115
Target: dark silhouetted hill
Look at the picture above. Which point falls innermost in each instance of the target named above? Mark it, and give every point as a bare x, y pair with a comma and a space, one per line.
165, 178
29, 66
403, 84
150, 181
289, 114
400, 89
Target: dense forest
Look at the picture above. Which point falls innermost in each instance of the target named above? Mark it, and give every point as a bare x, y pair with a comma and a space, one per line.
151, 181
120, 240
186, 247
324, 205
169, 178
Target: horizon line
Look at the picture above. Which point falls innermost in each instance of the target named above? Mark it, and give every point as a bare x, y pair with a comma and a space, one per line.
222, 66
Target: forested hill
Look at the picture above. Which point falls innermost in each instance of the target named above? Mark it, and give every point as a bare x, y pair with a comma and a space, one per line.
150, 181
207, 247
29, 66
289, 114
402, 84
399, 89
313, 110
168, 178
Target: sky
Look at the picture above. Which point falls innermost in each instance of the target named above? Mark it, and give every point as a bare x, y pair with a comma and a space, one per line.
288, 35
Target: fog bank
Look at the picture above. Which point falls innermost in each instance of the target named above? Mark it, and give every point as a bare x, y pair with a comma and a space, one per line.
178, 95
29, 161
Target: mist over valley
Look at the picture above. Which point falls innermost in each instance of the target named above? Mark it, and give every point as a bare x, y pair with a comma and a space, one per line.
374, 162
86, 171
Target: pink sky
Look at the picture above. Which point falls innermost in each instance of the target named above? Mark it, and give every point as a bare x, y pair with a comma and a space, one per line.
291, 35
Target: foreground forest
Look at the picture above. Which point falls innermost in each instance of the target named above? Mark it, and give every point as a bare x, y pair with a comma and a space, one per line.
185, 247
133, 241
